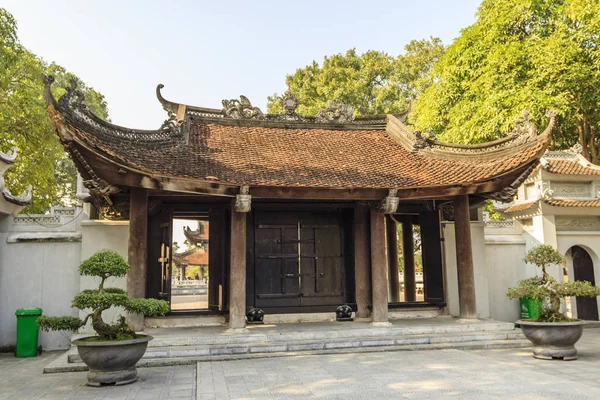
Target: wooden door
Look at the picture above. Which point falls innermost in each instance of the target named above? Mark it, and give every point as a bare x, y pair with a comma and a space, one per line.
159, 257
277, 271
299, 261
583, 268
433, 277
217, 259
322, 260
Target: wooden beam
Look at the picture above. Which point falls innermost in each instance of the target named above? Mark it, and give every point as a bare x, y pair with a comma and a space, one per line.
237, 274
392, 251
362, 261
464, 258
408, 252
379, 272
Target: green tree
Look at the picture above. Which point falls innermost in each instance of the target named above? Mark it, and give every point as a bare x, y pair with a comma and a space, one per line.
24, 122
373, 82
519, 54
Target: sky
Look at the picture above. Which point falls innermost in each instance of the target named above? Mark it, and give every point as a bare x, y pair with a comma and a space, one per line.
206, 51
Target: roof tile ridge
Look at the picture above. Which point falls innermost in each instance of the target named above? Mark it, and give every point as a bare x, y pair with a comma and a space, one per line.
524, 137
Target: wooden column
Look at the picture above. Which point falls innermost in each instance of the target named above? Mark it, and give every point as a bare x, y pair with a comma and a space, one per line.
392, 251
408, 252
138, 237
362, 261
464, 258
237, 273
379, 272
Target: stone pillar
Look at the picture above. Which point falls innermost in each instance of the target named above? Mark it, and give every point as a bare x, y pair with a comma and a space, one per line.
392, 251
408, 252
379, 271
464, 258
137, 252
237, 273
362, 261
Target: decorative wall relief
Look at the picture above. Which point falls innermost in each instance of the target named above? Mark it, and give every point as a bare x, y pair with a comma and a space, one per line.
577, 223
571, 189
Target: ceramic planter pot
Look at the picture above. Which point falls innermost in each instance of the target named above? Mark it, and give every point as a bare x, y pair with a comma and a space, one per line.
553, 340
112, 362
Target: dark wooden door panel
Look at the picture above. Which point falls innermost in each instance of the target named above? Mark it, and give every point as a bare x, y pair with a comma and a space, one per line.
433, 277
583, 269
299, 259
159, 238
276, 261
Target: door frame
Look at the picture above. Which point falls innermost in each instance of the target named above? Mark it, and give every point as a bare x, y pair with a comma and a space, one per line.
191, 210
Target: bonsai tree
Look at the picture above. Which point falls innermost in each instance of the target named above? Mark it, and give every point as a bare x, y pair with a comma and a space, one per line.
104, 264
545, 287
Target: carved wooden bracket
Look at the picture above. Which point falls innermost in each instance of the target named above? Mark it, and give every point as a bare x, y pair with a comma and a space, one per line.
389, 204
243, 201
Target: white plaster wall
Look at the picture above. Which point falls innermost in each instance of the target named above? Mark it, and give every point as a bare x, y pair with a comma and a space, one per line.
99, 235
36, 274
504, 260
479, 269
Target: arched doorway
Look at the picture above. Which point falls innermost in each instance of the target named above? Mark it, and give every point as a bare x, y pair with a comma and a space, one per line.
583, 270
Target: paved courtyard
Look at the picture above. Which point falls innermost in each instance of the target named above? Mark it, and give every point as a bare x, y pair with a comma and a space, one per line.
437, 374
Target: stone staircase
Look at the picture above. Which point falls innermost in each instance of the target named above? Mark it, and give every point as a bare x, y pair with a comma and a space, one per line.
178, 346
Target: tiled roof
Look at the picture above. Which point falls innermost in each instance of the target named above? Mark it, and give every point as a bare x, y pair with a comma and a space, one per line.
192, 257
573, 203
526, 205
277, 152
264, 156
571, 167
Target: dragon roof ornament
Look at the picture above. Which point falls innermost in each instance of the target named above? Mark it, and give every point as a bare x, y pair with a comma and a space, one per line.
73, 108
10, 156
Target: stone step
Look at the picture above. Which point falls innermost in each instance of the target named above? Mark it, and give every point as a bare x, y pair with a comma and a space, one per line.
62, 365
344, 332
314, 345
192, 321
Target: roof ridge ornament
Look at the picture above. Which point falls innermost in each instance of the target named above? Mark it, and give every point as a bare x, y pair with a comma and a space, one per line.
10, 156
576, 149
524, 130
241, 109
423, 139
336, 112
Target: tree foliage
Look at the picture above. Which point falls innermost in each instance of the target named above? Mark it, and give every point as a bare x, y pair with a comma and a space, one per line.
546, 287
373, 82
24, 122
520, 54
105, 264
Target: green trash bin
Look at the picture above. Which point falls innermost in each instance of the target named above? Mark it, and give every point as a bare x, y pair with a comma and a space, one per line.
531, 307
27, 331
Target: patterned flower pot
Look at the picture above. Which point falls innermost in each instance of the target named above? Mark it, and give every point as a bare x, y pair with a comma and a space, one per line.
553, 340
112, 362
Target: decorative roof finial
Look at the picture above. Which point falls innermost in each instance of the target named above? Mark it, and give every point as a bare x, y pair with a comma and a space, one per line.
289, 102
